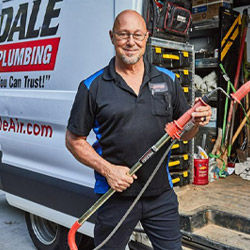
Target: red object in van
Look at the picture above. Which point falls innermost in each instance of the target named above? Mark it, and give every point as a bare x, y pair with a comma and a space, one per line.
200, 171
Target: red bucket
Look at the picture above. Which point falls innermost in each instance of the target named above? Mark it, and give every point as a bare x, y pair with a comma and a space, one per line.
200, 171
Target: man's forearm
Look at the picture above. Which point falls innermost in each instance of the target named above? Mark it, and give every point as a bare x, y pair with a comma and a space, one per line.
117, 176
85, 153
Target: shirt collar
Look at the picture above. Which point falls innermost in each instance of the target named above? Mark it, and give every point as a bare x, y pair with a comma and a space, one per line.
152, 71
109, 72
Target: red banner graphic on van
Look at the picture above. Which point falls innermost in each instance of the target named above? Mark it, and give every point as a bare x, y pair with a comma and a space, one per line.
29, 56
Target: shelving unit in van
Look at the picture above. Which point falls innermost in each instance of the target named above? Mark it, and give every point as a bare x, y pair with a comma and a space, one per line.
215, 41
179, 58
205, 41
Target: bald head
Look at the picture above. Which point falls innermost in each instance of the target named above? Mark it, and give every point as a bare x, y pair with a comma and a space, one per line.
129, 36
129, 15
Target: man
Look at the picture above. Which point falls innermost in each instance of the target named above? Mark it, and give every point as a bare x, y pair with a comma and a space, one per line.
128, 104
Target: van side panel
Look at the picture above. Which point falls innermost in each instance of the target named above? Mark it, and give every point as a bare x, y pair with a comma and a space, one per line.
32, 124
46, 49
57, 194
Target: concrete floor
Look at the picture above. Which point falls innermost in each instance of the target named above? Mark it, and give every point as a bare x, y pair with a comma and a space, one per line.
14, 234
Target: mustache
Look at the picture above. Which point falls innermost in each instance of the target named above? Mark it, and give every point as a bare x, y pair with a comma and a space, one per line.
133, 47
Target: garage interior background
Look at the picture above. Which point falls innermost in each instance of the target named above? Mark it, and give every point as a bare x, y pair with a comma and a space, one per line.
215, 211
194, 50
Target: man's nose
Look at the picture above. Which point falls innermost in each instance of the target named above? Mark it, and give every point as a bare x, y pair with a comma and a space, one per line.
130, 40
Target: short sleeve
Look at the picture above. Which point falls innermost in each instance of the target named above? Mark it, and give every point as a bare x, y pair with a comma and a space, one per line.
82, 115
180, 103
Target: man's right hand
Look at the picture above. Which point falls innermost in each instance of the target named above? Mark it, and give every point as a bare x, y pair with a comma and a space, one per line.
118, 177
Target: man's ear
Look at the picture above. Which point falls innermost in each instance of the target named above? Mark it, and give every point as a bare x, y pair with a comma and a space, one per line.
111, 35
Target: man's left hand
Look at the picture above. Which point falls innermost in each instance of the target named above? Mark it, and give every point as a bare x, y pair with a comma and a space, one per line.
202, 115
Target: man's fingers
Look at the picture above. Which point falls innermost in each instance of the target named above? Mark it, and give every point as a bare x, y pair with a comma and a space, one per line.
133, 176
129, 180
118, 189
119, 178
121, 186
202, 114
203, 110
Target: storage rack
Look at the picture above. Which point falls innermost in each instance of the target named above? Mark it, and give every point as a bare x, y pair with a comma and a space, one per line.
207, 35
166, 53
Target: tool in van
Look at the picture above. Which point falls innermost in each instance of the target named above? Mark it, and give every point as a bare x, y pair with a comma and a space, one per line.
222, 147
230, 118
240, 127
174, 130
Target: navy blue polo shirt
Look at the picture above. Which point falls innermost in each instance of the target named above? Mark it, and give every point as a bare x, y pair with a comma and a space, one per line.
127, 125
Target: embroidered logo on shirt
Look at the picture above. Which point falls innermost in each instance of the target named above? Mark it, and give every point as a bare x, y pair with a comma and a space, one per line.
158, 87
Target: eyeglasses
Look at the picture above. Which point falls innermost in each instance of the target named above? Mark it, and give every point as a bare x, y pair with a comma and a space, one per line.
138, 36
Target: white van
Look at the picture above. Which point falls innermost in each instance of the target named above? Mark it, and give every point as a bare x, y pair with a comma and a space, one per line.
46, 48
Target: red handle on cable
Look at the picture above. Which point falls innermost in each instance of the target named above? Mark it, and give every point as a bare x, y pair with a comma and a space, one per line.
175, 128
71, 236
241, 92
